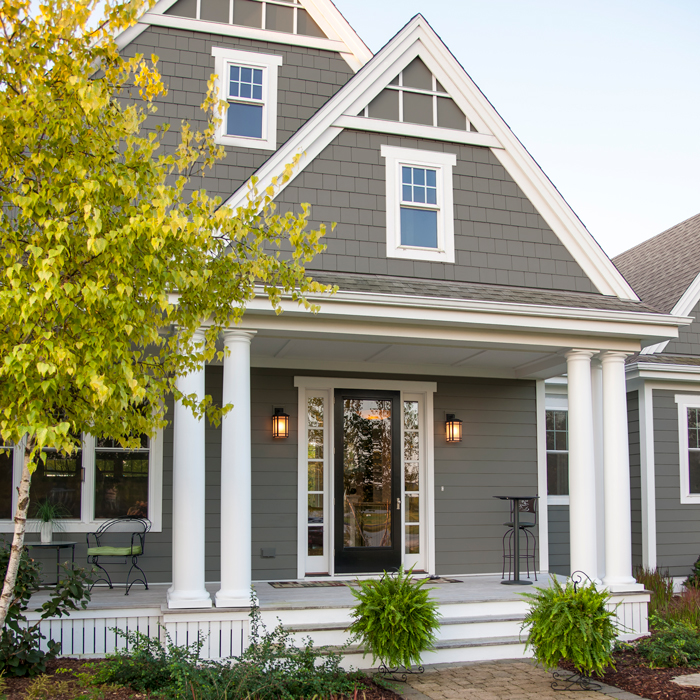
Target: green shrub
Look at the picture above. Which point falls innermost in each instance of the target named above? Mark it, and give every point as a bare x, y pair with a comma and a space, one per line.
671, 644
685, 608
395, 618
271, 668
20, 642
571, 623
660, 585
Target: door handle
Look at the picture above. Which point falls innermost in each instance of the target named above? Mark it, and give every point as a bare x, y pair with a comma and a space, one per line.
398, 504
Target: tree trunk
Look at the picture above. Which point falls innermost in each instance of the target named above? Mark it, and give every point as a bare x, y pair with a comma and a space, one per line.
8, 588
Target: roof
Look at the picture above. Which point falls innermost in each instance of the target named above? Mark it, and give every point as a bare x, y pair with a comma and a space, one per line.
661, 269
685, 360
439, 289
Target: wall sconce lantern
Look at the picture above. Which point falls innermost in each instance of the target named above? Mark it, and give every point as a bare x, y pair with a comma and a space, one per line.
453, 428
280, 424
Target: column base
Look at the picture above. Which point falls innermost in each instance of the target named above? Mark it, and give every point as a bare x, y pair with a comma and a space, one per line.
233, 599
623, 585
178, 600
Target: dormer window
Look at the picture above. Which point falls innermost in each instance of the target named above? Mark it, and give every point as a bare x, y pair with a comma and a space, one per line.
248, 83
419, 204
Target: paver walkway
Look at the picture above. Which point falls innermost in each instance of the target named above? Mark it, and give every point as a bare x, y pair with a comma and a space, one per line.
495, 680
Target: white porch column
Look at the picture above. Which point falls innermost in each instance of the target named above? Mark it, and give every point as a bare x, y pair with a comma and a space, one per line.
582, 496
236, 507
188, 590
598, 422
618, 526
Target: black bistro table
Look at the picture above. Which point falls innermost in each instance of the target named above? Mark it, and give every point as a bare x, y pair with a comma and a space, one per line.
58, 546
517, 581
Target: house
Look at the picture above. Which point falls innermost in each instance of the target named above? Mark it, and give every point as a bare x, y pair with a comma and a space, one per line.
417, 394
664, 404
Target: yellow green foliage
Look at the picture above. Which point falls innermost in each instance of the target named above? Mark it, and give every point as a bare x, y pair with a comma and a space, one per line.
110, 262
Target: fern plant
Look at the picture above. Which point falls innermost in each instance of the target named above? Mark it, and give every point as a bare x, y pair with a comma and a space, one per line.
571, 623
394, 618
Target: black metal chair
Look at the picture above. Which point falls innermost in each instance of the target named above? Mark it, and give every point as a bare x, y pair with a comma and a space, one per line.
526, 507
116, 531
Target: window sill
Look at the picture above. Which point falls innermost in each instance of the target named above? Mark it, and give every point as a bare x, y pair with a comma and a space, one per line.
425, 254
246, 142
557, 500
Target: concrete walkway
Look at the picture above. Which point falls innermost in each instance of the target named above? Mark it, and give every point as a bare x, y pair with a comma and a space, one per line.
495, 680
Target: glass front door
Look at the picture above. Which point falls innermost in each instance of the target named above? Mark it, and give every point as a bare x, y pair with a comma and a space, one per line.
367, 481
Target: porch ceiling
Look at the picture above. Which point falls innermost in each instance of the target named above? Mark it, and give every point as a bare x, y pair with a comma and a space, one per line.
387, 355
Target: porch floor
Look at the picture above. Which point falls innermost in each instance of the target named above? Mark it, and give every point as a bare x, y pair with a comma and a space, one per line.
470, 589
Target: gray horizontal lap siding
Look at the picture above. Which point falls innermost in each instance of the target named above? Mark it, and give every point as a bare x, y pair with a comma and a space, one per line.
677, 525
498, 454
499, 236
307, 79
688, 341
635, 476
559, 550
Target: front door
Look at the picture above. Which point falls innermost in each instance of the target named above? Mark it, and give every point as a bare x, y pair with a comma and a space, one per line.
367, 481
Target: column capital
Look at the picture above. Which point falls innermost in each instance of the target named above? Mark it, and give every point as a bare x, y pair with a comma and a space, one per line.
237, 335
579, 354
614, 355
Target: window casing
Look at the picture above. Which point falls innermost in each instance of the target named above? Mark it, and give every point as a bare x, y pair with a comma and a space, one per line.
247, 82
98, 482
689, 447
419, 204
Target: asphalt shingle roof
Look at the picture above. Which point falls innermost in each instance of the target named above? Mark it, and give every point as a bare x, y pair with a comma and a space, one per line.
382, 284
662, 268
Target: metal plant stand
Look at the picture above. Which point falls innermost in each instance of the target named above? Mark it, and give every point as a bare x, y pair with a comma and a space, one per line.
565, 680
399, 674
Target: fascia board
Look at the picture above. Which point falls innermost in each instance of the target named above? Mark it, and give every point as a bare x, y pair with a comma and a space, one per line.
333, 23
669, 373
527, 173
683, 307
530, 318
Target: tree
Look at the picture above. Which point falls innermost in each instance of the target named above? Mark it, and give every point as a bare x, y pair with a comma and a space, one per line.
109, 264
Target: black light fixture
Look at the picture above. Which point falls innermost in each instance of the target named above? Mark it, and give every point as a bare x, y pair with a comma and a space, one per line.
453, 428
280, 424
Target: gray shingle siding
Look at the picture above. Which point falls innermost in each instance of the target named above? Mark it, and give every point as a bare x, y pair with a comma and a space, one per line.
688, 341
677, 525
635, 476
307, 79
499, 236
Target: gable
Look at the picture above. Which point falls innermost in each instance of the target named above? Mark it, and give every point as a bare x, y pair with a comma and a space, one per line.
688, 341
372, 92
290, 17
499, 236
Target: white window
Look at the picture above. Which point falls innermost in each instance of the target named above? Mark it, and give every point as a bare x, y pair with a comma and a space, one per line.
248, 83
557, 449
419, 204
97, 482
689, 446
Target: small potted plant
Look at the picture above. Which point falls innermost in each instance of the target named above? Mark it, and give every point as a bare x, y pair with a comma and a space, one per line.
49, 516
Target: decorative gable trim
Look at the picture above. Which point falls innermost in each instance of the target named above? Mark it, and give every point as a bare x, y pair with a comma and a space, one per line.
683, 307
342, 38
419, 39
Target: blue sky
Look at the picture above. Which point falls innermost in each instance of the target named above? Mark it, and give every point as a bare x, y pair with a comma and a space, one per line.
605, 94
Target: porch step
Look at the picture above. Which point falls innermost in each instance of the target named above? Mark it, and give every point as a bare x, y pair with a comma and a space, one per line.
450, 651
451, 629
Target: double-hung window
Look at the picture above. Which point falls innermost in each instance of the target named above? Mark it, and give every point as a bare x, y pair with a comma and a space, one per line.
419, 204
248, 84
689, 446
557, 453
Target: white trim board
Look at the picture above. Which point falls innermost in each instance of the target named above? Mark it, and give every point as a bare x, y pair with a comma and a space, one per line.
419, 39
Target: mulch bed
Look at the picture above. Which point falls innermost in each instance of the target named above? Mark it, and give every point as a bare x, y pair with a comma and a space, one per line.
64, 686
634, 676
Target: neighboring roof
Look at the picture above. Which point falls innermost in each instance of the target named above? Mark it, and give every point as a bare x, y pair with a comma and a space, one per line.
686, 360
381, 284
418, 39
662, 269
341, 36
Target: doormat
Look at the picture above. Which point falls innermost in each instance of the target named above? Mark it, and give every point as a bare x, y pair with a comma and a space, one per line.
340, 584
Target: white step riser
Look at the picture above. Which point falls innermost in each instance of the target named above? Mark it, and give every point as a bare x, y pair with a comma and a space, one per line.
305, 616
322, 638
505, 608
455, 655
480, 630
